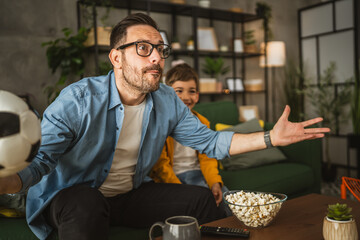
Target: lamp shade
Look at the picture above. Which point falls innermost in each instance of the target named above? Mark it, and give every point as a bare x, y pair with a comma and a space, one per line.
275, 54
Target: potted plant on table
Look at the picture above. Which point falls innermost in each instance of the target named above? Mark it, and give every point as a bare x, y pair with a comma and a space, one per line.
339, 223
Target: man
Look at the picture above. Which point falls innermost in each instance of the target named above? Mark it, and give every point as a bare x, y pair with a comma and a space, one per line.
102, 135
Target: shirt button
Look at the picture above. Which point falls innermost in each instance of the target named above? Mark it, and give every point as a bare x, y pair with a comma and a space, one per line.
121, 108
106, 170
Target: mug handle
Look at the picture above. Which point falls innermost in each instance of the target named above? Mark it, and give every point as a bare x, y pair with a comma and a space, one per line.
160, 224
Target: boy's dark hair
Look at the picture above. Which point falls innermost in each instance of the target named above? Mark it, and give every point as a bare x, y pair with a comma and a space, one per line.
118, 33
181, 72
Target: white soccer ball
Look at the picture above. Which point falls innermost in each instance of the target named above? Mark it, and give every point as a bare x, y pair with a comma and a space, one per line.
20, 134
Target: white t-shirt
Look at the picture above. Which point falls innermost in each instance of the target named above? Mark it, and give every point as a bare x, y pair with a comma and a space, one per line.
185, 159
122, 171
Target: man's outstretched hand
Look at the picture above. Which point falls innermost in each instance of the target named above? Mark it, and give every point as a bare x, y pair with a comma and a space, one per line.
285, 132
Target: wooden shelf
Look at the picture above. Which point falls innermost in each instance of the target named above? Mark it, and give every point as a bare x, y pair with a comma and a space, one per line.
181, 9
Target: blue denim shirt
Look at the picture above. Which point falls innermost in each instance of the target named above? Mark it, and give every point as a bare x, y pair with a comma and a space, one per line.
80, 130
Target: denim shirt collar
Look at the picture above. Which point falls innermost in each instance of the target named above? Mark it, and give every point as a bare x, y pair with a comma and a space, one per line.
114, 94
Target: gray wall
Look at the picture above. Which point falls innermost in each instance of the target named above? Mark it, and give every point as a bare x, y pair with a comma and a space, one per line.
24, 25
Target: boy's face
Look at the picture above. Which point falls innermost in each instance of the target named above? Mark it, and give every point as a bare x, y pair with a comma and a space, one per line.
186, 90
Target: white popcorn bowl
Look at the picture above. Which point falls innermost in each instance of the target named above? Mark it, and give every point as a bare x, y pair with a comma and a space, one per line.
256, 215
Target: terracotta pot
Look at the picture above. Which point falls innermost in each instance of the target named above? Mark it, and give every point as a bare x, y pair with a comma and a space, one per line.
338, 230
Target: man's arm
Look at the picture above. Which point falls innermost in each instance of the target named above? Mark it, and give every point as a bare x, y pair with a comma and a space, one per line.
10, 184
284, 133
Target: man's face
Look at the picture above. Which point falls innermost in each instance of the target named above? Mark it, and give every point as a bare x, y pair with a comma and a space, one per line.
186, 91
142, 73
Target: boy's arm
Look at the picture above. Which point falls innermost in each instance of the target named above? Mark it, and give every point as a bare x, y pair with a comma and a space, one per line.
163, 171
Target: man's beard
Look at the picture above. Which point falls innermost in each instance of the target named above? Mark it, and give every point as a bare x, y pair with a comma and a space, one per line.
138, 79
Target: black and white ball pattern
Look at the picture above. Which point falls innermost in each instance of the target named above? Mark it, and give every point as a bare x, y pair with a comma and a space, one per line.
20, 134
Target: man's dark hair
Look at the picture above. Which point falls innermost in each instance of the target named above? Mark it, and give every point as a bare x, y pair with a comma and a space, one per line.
118, 34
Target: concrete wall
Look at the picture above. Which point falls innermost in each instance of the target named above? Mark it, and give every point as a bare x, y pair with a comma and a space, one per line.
24, 25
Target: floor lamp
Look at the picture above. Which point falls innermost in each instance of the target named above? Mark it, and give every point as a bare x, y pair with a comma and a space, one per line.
275, 57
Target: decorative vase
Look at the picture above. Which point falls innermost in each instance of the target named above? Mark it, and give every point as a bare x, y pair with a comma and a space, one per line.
338, 230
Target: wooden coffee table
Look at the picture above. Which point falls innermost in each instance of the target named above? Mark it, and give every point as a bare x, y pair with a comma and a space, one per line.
299, 218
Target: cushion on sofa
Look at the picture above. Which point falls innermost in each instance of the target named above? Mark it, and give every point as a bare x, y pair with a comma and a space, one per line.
251, 159
285, 177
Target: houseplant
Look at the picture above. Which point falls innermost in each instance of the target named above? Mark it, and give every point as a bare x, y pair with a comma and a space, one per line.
91, 8
330, 106
250, 41
66, 55
339, 223
214, 68
264, 10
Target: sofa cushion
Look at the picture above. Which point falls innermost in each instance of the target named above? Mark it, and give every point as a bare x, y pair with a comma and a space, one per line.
284, 177
251, 159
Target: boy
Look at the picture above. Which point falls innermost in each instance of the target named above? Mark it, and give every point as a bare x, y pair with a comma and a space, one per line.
180, 164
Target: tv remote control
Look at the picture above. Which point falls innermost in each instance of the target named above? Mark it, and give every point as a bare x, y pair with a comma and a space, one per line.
224, 231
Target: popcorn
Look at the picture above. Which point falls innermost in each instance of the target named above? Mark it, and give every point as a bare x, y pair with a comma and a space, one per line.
256, 210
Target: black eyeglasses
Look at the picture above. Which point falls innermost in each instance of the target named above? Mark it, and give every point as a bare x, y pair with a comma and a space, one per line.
144, 49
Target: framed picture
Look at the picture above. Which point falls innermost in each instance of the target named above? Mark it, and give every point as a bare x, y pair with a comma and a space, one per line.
238, 45
164, 37
247, 113
235, 85
207, 39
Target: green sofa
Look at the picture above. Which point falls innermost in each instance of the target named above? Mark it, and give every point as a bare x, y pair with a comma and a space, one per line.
300, 174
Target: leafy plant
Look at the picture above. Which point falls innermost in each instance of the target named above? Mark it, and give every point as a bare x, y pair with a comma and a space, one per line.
249, 37
90, 6
355, 105
339, 212
328, 104
264, 10
65, 54
215, 67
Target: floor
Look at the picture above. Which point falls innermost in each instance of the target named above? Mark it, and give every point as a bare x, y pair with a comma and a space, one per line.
333, 188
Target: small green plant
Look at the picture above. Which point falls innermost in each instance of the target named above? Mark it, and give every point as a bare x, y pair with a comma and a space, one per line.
339, 212
249, 37
65, 54
215, 67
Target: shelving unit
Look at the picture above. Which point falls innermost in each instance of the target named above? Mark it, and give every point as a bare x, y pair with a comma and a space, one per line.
195, 13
